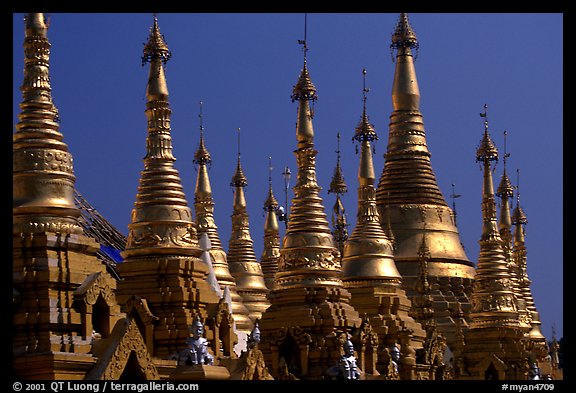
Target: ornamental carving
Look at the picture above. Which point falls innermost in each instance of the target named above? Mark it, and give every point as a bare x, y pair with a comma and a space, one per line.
297, 259
297, 333
124, 341
95, 285
41, 227
146, 238
179, 235
491, 302
365, 336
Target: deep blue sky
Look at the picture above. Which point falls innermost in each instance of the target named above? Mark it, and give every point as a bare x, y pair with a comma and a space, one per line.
243, 67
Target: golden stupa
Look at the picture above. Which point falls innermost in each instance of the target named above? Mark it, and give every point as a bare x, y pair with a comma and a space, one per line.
410, 202
309, 316
242, 262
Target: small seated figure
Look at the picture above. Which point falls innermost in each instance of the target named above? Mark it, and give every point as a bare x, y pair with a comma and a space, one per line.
346, 367
197, 351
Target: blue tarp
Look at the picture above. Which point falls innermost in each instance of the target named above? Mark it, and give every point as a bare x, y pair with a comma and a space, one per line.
113, 253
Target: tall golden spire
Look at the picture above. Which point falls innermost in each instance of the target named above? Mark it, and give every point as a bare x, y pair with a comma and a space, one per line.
42, 175
495, 333
307, 218
241, 257
519, 219
161, 219
338, 187
493, 300
271, 250
376, 265
204, 208
162, 256
408, 197
309, 306
368, 269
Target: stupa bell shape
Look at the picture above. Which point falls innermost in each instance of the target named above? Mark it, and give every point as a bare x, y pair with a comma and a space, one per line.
409, 200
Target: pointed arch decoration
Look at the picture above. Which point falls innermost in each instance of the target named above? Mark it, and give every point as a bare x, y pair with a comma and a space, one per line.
100, 285
137, 308
124, 341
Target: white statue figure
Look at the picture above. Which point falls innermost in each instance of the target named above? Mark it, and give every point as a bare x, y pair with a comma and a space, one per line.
254, 336
395, 357
346, 367
197, 351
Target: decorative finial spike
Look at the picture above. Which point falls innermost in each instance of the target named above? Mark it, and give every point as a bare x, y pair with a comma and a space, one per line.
338, 185
404, 38
487, 150
156, 47
304, 88
239, 179
364, 130
202, 155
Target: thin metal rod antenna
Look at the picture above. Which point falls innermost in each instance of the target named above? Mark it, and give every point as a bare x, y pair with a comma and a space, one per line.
270, 171
518, 186
506, 155
238, 129
454, 196
286, 175
364, 89
304, 42
305, 25
200, 116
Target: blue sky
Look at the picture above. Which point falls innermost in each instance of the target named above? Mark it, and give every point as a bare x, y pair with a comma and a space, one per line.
243, 67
